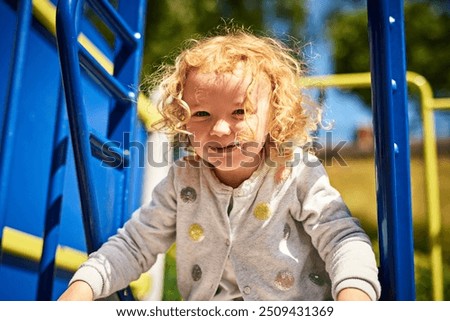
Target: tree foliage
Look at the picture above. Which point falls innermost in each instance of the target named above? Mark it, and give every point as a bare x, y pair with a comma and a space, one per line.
427, 34
171, 22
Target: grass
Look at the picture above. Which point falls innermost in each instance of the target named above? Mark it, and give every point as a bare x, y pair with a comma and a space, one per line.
356, 183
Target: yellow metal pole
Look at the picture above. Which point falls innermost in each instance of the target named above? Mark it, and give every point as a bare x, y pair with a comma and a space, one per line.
356, 80
441, 103
431, 182
29, 247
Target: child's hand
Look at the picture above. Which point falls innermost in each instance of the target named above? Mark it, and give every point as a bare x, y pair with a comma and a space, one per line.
351, 294
77, 291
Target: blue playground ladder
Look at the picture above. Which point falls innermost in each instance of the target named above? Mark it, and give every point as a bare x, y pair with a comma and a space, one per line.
92, 149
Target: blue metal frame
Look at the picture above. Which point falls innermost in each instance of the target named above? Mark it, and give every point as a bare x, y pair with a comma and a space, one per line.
392, 155
7, 130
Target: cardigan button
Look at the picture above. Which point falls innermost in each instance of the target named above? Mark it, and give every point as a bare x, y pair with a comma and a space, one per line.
196, 233
247, 290
196, 272
228, 242
188, 194
262, 211
284, 280
316, 279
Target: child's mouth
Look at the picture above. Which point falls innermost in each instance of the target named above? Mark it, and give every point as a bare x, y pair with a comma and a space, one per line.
226, 149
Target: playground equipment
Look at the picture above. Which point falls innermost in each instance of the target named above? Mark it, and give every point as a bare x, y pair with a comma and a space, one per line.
56, 186
95, 170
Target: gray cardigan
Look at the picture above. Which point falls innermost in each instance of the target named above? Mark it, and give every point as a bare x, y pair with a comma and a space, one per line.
286, 231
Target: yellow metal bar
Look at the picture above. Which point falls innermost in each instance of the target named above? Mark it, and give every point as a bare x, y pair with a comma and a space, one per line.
45, 13
29, 247
356, 80
431, 182
441, 103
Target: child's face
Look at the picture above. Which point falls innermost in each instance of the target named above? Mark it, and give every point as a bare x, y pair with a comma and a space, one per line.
217, 118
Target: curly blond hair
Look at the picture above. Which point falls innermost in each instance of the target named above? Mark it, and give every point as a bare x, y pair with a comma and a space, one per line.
291, 121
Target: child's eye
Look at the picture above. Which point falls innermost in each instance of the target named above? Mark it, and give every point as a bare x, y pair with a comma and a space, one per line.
201, 114
239, 112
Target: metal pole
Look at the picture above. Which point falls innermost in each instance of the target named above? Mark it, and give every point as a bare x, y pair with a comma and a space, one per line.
392, 156
54, 204
135, 17
67, 42
7, 130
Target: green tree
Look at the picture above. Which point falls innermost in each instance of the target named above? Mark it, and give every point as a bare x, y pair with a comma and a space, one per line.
427, 34
171, 22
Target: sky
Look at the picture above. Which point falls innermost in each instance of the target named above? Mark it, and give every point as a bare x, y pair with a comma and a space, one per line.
343, 112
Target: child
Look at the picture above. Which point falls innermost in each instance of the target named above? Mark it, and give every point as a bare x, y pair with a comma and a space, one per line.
253, 216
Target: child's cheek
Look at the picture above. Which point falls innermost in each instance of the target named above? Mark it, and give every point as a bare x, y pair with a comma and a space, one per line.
249, 124
192, 128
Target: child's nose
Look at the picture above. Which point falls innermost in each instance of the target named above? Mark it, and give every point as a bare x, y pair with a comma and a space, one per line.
221, 127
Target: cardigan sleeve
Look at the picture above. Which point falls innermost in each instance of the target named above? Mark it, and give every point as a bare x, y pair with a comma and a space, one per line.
133, 250
338, 237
